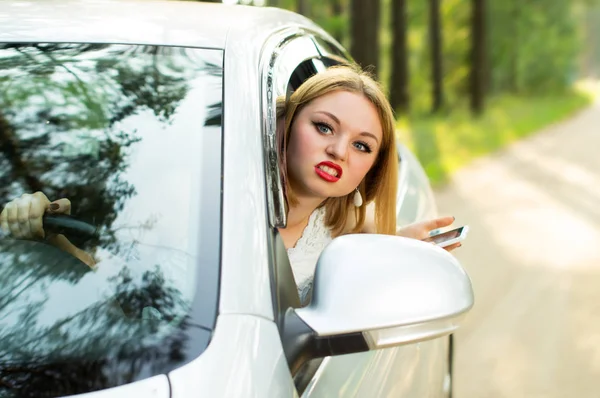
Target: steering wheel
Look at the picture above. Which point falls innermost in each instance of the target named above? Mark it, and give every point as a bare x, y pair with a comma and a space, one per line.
77, 231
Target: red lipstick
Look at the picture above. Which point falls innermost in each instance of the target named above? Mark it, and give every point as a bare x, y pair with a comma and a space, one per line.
325, 175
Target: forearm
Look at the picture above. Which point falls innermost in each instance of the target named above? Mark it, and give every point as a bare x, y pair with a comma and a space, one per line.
61, 242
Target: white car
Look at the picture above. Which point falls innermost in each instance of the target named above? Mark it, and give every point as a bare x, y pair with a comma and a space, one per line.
156, 120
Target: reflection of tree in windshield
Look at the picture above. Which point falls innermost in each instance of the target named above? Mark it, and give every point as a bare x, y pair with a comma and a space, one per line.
61, 108
106, 343
68, 127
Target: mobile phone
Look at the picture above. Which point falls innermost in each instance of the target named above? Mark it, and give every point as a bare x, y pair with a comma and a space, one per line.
450, 237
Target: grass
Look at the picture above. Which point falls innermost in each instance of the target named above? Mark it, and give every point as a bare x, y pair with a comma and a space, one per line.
444, 143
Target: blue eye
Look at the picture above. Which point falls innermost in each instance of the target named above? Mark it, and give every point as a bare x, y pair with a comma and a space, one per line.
361, 146
323, 128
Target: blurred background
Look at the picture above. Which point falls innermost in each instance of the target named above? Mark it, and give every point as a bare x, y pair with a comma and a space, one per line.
497, 98
516, 65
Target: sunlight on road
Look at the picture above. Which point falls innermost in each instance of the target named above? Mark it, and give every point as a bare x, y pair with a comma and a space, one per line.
533, 255
527, 220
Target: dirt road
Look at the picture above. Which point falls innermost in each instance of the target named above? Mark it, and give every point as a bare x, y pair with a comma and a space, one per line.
533, 255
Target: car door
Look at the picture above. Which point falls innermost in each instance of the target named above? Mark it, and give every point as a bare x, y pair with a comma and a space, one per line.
412, 371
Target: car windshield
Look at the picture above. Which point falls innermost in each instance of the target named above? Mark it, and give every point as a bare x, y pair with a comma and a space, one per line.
131, 135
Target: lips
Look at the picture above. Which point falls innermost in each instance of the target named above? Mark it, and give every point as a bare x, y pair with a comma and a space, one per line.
329, 171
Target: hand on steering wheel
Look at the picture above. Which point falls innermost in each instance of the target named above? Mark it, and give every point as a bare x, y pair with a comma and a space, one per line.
23, 218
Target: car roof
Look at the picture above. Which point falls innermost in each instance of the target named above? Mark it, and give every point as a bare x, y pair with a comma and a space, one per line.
182, 23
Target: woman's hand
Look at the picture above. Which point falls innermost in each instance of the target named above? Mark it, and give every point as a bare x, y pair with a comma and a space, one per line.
422, 230
23, 219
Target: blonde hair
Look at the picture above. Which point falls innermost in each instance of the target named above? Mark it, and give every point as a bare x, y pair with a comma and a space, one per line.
381, 181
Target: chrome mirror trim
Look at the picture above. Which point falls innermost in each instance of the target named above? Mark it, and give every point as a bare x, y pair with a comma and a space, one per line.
271, 64
410, 334
275, 196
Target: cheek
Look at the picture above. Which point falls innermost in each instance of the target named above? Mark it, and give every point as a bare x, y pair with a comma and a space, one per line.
301, 146
360, 168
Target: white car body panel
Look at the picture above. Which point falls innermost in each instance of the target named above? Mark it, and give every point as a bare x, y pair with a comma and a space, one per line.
244, 359
411, 371
245, 283
167, 23
415, 197
393, 372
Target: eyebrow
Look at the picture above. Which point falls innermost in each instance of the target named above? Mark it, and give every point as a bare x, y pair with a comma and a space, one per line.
335, 119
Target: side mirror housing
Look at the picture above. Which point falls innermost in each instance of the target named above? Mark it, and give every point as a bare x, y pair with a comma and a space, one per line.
376, 291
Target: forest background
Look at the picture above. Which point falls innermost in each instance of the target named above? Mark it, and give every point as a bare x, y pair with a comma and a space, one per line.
467, 77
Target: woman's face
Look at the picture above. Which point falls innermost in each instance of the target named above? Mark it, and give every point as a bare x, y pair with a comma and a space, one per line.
333, 143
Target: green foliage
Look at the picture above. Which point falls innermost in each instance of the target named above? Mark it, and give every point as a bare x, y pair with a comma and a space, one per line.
532, 48
336, 25
535, 50
444, 143
534, 45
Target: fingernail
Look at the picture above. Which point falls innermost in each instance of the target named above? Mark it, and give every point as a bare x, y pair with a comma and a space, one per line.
460, 245
54, 206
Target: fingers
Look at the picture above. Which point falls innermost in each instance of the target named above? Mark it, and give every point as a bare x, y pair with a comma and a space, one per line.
9, 222
438, 223
60, 206
453, 246
22, 217
23, 211
30, 209
34, 218
4, 220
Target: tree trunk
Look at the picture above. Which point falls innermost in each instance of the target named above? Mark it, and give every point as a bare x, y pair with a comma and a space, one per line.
337, 10
514, 59
478, 61
337, 7
303, 7
435, 41
364, 33
399, 93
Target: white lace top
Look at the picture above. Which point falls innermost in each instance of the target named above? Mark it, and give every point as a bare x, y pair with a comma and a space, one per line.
304, 255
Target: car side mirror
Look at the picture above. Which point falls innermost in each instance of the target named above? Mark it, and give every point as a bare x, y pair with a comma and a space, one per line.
375, 291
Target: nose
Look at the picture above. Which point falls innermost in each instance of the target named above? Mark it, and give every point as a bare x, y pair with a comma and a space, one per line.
338, 148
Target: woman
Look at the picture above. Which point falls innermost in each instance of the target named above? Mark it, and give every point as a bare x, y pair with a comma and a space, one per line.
339, 164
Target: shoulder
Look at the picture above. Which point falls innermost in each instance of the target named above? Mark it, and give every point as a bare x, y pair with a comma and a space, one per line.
315, 235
